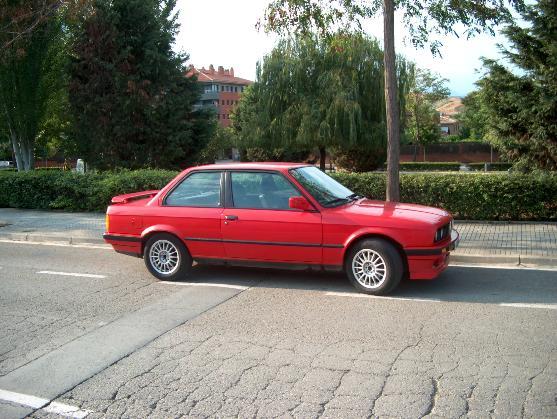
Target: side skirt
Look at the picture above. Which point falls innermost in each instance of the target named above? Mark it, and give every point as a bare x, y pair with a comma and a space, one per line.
272, 265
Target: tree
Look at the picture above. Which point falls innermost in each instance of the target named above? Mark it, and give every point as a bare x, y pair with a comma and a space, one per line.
317, 92
421, 18
521, 108
131, 103
30, 74
426, 88
473, 118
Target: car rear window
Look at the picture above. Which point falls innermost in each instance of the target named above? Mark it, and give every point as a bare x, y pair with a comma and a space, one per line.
197, 190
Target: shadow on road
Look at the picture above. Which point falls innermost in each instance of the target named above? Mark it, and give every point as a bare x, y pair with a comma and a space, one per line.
459, 284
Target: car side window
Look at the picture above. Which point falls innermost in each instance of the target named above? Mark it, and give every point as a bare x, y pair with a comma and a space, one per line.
261, 190
197, 190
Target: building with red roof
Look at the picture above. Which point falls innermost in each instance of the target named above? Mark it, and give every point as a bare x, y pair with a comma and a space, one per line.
221, 90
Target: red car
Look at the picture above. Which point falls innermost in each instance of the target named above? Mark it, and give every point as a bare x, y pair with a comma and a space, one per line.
281, 215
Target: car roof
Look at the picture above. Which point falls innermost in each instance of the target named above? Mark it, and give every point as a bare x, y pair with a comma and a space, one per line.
251, 166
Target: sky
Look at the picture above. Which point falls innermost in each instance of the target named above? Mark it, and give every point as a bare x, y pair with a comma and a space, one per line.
223, 32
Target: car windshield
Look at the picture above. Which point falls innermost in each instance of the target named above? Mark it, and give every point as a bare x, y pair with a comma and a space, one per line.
327, 191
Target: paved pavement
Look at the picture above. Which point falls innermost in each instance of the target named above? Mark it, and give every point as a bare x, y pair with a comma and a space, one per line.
481, 242
79, 336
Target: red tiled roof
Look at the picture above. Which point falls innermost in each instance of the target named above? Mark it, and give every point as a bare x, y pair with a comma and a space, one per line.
221, 75
450, 106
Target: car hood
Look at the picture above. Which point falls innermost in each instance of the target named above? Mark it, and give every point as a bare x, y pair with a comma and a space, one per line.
396, 211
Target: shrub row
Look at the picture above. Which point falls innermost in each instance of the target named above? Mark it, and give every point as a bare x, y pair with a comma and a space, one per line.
472, 196
478, 196
55, 189
451, 166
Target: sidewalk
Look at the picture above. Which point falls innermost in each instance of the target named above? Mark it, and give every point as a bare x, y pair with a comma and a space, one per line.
481, 242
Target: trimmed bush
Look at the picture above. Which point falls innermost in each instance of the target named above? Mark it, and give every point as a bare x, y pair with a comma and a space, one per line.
75, 191
471, 196
476, 196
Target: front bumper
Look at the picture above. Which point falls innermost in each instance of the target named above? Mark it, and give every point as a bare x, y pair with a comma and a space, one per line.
428, 263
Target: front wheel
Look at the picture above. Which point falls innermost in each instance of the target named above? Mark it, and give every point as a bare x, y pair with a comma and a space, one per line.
374, 266
166, 257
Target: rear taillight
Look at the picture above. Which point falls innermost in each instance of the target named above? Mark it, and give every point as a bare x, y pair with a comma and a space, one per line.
107, 223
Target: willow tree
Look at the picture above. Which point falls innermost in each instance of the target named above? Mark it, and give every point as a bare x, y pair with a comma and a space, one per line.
422, 18
317, 92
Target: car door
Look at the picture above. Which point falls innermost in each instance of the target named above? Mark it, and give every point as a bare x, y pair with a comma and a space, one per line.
194, 209
258, 224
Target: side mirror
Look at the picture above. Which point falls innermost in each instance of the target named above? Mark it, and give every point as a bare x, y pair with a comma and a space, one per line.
299, 203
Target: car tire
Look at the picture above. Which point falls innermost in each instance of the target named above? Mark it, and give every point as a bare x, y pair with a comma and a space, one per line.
166, 257
374, 266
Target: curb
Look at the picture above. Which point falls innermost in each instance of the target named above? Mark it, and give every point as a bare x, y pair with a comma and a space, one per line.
30, 237
513, 260
473, 259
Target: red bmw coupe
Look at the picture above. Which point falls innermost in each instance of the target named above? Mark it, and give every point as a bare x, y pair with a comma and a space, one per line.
281, 215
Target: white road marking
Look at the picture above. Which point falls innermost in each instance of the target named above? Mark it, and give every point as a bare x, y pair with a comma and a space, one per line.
44, 404
424, 300
71, 274
355, 295
67, 410
205, 284
87, 246
23, 399
533, 305
513, 267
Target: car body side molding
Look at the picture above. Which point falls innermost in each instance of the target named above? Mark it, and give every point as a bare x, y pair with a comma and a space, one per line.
339, 246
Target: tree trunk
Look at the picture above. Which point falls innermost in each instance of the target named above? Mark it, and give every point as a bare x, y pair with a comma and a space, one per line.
322, 157
23, 153
17, 152
393, 117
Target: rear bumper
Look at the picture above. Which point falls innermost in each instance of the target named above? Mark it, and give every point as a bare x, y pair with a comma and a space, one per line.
128, 245
428, 263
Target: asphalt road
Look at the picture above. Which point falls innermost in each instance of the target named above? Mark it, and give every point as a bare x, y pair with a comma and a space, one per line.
87, 332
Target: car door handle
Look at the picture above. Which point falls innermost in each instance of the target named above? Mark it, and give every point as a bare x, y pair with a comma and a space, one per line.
230, 217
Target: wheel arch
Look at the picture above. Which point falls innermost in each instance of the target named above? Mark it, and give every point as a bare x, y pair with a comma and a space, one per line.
376, 235
158, 229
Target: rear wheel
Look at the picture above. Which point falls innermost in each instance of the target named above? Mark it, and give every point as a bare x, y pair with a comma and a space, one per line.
166, 257
374, 266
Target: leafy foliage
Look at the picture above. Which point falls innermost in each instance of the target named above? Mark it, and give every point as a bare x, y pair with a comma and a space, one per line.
521, 109
451, 166
478, 196
31, 64
314, 92
425, 89
423, 19
473, 117
56, 189
472, 196
132, 105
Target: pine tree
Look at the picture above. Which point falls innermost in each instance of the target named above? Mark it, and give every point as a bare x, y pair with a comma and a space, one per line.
131, 102
521, 106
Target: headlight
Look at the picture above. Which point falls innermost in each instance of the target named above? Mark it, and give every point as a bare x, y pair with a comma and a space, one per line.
443, 232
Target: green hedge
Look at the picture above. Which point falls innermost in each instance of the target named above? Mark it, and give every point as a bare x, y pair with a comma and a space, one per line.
75, 191
472, 196
477, 196
450, 166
